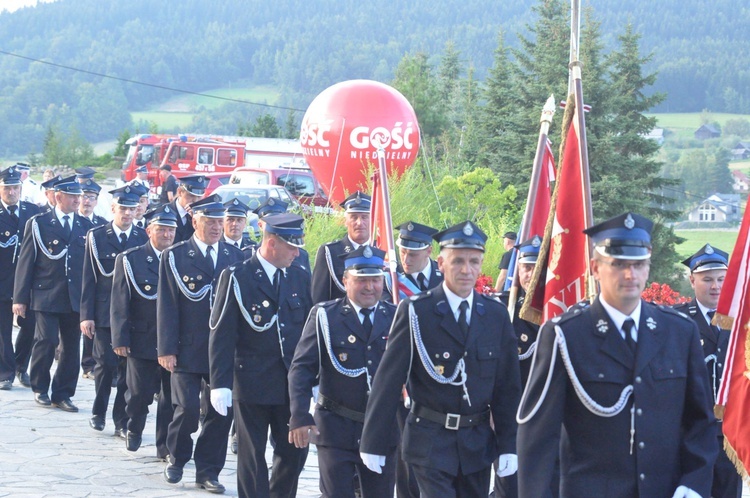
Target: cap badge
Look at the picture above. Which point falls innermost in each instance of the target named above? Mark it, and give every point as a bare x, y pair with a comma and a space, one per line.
468, 231
127, 189
166, 209
536, 242
271, 202
200, 180
629, 222
709, 249
410, 227
367, 252
235, 202
302, 225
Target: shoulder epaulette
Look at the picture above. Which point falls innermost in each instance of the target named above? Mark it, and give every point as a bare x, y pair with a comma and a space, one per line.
673, 311
574, 311
131, 250
419, 296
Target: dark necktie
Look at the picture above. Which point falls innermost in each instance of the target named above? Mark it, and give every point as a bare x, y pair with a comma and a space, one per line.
188, 220
627, 328
714, 328
139, 223
277, 281
462, 317
209, 258
13, 215
367, 323
66, 225
422, 282
123, 239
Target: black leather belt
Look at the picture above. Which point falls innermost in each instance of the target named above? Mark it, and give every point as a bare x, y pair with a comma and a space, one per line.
339, 409
452, 421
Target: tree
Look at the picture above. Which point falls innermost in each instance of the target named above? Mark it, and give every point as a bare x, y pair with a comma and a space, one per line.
739, 127
415, 80
265, 126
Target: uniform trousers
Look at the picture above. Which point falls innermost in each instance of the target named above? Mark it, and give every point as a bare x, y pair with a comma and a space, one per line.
7, 356
337, 466
434, 483
252, 423
24, 341
107, 365
145, 378
211, 446
53, 329
406, 483
87, 355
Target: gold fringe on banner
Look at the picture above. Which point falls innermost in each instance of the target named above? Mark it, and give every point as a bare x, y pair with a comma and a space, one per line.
527, 312
741, 470
723, 321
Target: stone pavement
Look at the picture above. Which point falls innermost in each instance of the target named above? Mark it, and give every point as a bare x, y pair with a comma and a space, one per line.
45, 452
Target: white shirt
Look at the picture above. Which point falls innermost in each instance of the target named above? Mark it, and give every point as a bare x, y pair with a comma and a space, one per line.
118, 231
426, 271
232, 242
269, 268
157, 251
361, 317
203, 246
181, 211
618, 318
355, 245
705, 311
60, 215
454, 301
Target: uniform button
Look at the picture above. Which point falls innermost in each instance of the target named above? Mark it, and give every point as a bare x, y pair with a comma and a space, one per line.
490, 353
369, 362
282, 324
718, 349
369, 348
719, 365
642, 477
601, 376
641, 445
466, 353
639, 412
283, 339
671, 371
417, 419
638, 380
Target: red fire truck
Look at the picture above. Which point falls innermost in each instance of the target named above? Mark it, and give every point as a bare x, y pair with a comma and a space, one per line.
186, 154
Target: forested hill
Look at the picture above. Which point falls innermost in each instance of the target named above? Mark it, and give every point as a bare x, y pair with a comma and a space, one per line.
701, 50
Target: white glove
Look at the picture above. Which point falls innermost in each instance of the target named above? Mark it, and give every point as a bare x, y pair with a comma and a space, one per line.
407, 402
507, 465
315, 391
373, 462
221, 399
685, 492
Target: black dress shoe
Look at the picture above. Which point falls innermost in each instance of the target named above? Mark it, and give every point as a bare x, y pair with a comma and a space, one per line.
5, 385
66, 405
211, 485
132, 441
23, 379
172, 473
42, 399
97, 423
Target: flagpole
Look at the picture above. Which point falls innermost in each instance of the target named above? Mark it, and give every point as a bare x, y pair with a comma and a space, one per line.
580, 122
548, 111
388, 224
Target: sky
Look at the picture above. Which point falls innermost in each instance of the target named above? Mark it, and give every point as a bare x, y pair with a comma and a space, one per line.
11, 5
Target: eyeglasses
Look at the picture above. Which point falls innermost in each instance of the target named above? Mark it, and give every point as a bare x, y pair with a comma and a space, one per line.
620, 265
89, 197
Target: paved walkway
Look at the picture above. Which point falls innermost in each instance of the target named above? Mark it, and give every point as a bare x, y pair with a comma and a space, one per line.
48, 452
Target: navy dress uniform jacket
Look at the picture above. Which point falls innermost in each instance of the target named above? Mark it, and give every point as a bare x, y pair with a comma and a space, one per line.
493, 383
51, 285
9, 249
674, 442
251, 363
526, 333
184, 230
352, 349
326, 284
97, 286
133, 316
182, 324
302, 260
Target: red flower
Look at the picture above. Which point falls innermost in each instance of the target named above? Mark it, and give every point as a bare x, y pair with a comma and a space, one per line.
663, 294
484, 284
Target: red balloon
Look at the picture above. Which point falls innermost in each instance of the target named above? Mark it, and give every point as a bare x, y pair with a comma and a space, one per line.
346, 124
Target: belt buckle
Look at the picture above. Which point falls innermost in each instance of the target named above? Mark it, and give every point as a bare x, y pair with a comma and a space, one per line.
452, 421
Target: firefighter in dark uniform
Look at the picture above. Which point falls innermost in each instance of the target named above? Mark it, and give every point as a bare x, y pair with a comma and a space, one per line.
133, 322
456, 352
90, 192
526, 334
49, 192
417, 273
626, 402
329, 267
103, 244
48, 283
275, 206
341, 347
14, 214
235, 221
708, 268
188, 273
256, 323
191, 190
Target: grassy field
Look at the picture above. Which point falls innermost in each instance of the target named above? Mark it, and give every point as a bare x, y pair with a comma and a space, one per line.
722, 239
177, 112
692, 120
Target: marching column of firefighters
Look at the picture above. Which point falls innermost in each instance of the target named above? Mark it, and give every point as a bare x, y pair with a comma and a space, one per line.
435, 397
